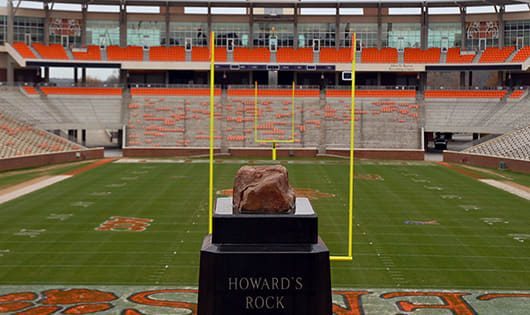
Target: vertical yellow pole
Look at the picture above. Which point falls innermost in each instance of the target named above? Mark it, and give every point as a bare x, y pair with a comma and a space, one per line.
210, 200
350, 219
273, 151
255, 111
292, 110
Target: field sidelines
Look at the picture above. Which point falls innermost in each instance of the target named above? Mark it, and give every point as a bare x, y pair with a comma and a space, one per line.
35, 184
135, 300
507, 187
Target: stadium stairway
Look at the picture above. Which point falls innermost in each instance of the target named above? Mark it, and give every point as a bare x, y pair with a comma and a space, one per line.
68, 52
510, 57
478, 55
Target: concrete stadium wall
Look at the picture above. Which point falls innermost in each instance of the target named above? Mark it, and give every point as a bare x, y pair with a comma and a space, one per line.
147, 152
487, 161
380, 154
283, 152
49, 158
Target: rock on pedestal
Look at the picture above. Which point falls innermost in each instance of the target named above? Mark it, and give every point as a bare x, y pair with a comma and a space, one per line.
264, 264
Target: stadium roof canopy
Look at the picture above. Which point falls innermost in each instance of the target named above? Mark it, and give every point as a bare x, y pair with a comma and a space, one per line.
301, 4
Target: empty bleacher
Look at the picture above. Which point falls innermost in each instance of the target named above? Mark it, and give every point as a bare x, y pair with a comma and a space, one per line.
374, 55
417, 55
161, 53
130, 53
258, 54
24, 50
203, 54
478, 115
93, 53
495, 55
454, 56
54, 51
451, 94
332, 55
291, 55
62, 111
19, 139
522, 54
515, 144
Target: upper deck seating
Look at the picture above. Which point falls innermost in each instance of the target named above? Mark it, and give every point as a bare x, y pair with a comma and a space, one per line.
465, 94
93, 53
203, 54
495, 55
258, 54
332, 55
54, 51
80, 91
416, 55
130, 53
374, 55
24, 50
161, 53
372, 93
522, 54
454, 56
304, 55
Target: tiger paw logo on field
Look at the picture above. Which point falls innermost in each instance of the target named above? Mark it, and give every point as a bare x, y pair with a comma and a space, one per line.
71, 301
300, 192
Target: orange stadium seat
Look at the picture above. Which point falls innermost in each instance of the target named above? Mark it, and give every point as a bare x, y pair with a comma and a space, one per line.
304, 55
203, 54
522, 54
495, 55
93, 53
54, 51
374, 55
174, 92
80, 91
454, 56
31, 90
258, 54
465, 94
371, 93
24, 50
130, 53
332, 55
167, 54
517, 93
416, 55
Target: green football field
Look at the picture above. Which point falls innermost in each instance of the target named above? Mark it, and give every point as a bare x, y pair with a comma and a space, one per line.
416, 225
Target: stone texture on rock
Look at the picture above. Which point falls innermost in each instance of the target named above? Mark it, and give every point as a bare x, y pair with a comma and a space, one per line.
263, 189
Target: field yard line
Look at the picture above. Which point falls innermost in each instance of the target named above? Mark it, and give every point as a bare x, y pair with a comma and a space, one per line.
44, 182
507, 187
89, 166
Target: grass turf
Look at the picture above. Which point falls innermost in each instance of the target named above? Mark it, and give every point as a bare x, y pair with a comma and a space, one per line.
462, 251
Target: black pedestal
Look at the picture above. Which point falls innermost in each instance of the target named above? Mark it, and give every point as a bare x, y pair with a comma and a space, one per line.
243, 271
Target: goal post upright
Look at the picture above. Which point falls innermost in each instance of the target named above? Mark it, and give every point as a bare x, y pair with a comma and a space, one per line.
350, 196
212, 90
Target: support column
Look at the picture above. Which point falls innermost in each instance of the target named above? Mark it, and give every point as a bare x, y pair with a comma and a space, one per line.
463, 25
251, 78
470, 82
47, 74
379, 27
500, 18
10, 22
337, 78
166, 75
424, 40
379, 78
84, 14
47, 15
295, 28
168, 23
209, 17
83, 75
462, 79
123, 78
500, 78
337, 28
10, 70
423, 81
75, 75
123, 24
251, 28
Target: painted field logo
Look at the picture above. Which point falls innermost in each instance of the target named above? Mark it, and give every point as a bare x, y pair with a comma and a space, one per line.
124, 224
432, 222
70, 301
300, 192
